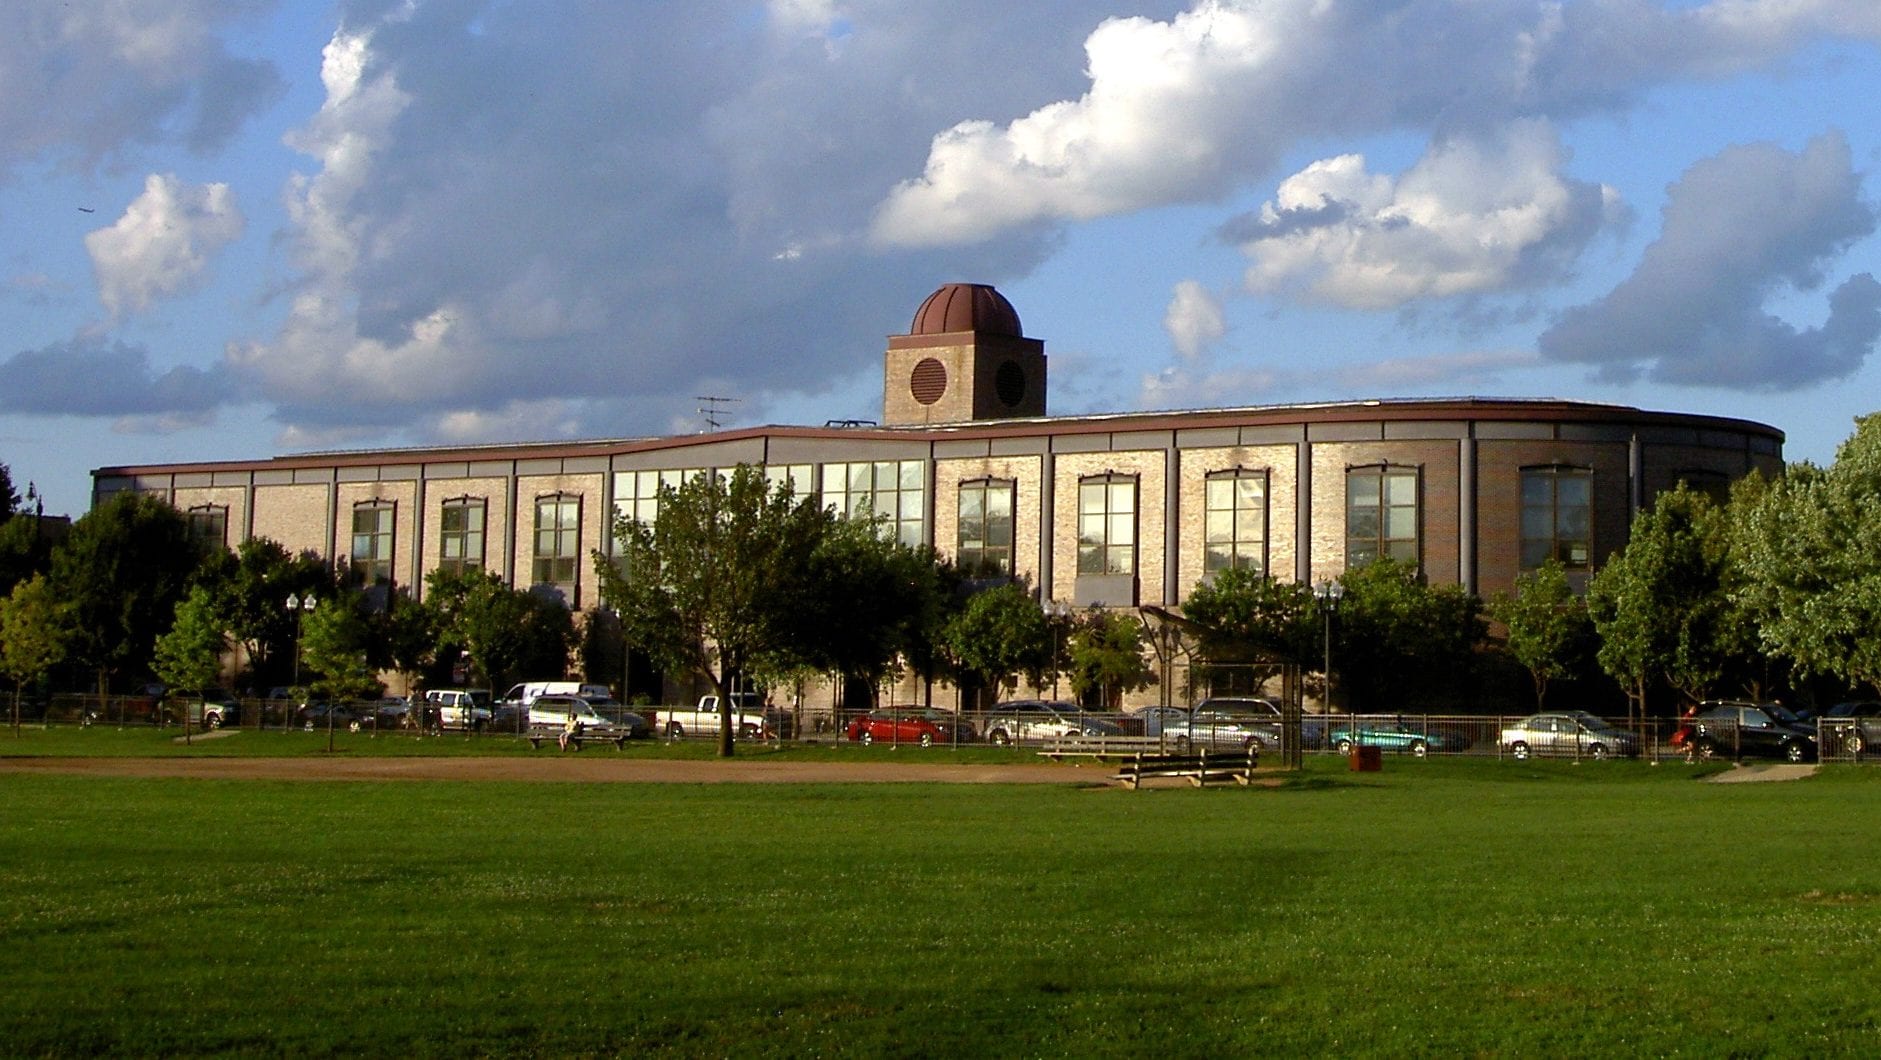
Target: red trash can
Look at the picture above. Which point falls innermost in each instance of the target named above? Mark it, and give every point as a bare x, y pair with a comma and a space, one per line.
1367, 759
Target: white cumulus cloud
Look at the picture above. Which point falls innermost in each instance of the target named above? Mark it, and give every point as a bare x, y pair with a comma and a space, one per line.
1476, 215
164, 242
1194, 319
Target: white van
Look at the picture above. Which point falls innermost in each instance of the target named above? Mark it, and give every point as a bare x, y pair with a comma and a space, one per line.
526, 692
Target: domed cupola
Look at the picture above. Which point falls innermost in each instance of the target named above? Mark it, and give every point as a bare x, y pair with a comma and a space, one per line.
964, 358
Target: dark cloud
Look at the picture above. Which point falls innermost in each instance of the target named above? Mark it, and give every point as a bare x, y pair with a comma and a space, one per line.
88, 377
1738, 229
84, 81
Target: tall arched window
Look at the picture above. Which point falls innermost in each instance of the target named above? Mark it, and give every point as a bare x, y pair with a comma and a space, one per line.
1558, 516
1107, 524
985, 528
558, 540
1235, 521
460, 534
1381, 514
373, 523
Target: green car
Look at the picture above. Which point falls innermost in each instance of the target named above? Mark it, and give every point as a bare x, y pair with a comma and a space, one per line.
1393, 735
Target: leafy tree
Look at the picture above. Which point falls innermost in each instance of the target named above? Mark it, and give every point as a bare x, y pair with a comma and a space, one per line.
252, 587
508, 633
711, 586
9, 497
1107, 658
122, 569
1247, 626
1812, 559
1548, 625
334, 640
22, 552
998, 635
1658, 606
870, 604
189, 656
33, 635
1394, 633
405, 638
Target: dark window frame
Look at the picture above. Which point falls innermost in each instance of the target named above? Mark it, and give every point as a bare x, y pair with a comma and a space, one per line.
1534, 549
1241, 553
373, 566
1363, 547
983, 555
1099, 554
465, 560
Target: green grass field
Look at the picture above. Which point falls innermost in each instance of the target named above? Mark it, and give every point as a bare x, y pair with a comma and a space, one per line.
1437, 907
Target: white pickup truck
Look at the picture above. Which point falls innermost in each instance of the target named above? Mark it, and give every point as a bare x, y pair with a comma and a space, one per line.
753, 720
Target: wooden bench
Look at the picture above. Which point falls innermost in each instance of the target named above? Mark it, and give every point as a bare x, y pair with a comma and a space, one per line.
1197, 767
553, 734
1102, 748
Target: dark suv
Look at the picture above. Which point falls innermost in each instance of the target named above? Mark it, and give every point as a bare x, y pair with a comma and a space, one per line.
1857, 722
1749, 730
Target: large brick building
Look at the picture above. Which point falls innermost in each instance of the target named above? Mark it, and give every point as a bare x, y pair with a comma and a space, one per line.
1122, 510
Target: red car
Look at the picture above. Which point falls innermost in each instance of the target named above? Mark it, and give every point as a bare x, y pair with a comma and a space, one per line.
925, 728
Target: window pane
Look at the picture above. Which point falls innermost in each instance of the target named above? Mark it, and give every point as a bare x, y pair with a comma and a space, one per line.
1220, 493
1535, 552
999, 501
1537, 487
1362, 523
1403, 551
1360, 551
1401, 489
1122, 530
1122, 561
1252, 492
1573, 489
1361, 489
1214, 559
1401, 522
1250, 525
1123, 497
1220, 527
1091, 498
972, 503
1090, 558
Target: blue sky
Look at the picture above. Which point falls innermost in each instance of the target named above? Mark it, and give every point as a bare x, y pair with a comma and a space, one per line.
235, 228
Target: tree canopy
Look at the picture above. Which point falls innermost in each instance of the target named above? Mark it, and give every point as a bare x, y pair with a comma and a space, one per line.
1397, 637
999, 634
122, 570
34, 632
1247, 626
1549, 630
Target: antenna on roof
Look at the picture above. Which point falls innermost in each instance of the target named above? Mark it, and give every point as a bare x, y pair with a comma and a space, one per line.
714, 409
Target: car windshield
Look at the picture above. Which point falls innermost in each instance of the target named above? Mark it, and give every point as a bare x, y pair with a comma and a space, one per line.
1781, 713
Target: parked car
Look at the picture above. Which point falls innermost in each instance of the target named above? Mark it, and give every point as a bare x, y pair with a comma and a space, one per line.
924, 727
312, 716
1859, 721
552, 710
211, 708
1229, 723
1748, 730
1020, 720
389, 712
1392, 734
1575, 734
1158, 720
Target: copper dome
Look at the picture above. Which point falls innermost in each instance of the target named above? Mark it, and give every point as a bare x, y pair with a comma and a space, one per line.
966, 307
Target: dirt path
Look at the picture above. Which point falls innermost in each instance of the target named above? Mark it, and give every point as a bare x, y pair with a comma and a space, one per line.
1752, 774
584, 769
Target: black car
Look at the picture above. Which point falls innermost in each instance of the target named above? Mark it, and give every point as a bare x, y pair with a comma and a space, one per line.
1749, 730
316, 716
1857, 722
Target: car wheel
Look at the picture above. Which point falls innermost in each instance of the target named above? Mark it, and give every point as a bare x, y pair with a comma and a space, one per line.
1794, 751
1705, 750
1419, 749
353, 726
674, 731
1253, 743
1519, 750
1597, 751
1856, 744
866, 738
927, 739
1181, 744
212, 721
1344, 746
999, 738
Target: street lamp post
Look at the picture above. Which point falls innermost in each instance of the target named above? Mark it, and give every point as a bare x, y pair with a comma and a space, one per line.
1328, 594
300, 607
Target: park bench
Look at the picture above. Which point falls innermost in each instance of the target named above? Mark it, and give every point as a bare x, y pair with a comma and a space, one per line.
1101, 748
1200, 767
552, 734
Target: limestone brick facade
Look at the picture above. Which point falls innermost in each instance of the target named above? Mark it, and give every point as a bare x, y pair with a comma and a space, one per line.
1027, 476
